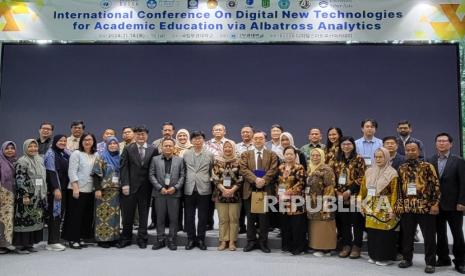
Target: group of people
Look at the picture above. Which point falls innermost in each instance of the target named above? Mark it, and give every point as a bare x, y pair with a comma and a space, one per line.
321, 196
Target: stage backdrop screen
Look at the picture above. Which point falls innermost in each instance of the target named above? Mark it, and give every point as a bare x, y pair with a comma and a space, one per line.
195, 86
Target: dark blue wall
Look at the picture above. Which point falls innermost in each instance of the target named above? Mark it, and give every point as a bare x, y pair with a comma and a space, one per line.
195, 86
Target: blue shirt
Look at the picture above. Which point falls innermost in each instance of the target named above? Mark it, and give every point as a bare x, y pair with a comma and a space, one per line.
366, 148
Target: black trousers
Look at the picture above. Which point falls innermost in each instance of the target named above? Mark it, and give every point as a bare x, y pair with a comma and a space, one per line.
294, 230
242, 218
54, 224
409, 223
79, 221
199, 203
349, 221
141, 201
455, 221
255, 221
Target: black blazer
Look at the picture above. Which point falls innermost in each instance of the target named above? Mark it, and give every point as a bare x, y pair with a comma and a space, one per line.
397, 161
134, 171
452, 182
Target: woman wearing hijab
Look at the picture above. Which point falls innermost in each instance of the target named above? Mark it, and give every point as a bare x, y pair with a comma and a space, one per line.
79, 217
183, 142
290, 190
106, 182
226, 195
31, 192
319, 192
379, 192
350, 171
287, 140
7, 199
56, 165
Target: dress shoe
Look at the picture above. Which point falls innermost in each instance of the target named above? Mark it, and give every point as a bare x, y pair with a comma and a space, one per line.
296, 252
440, 263
355, 253
104, 244
264, 248
429, 269
345, 252
172, 246
151, 226
242, 230
405, 264
142, 244
249, 247
123, 244
190, 244
201, 245
74, 245
31, 249
209, 227
460, 269
158, 245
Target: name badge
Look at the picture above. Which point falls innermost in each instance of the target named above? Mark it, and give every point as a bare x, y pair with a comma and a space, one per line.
281, 190
115, 179
307, 190
371, 191
412, 189
167, 179
342, 180
367, 161
39, 182
227, 182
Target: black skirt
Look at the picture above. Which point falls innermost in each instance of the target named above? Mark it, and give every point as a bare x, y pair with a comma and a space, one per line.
27, 239
382, 244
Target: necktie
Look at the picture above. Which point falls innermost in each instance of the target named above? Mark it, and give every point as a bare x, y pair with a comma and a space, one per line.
259, 161
142, 153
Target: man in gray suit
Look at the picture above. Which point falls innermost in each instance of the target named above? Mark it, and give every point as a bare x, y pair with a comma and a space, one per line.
167, 177
197, 190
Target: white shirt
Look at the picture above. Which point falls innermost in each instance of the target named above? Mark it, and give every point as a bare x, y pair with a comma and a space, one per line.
242, 147
72, 143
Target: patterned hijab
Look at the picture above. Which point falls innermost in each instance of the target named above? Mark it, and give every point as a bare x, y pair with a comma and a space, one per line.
7, 170
111, 158
229, 158
34, 167
312, 168
381, 176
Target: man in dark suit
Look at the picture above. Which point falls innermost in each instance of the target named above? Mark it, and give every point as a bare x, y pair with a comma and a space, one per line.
451, 171
136, 187
404, 129
392, 144
167, 178
253, 161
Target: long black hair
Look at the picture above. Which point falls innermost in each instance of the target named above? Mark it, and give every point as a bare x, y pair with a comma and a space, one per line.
339, 132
